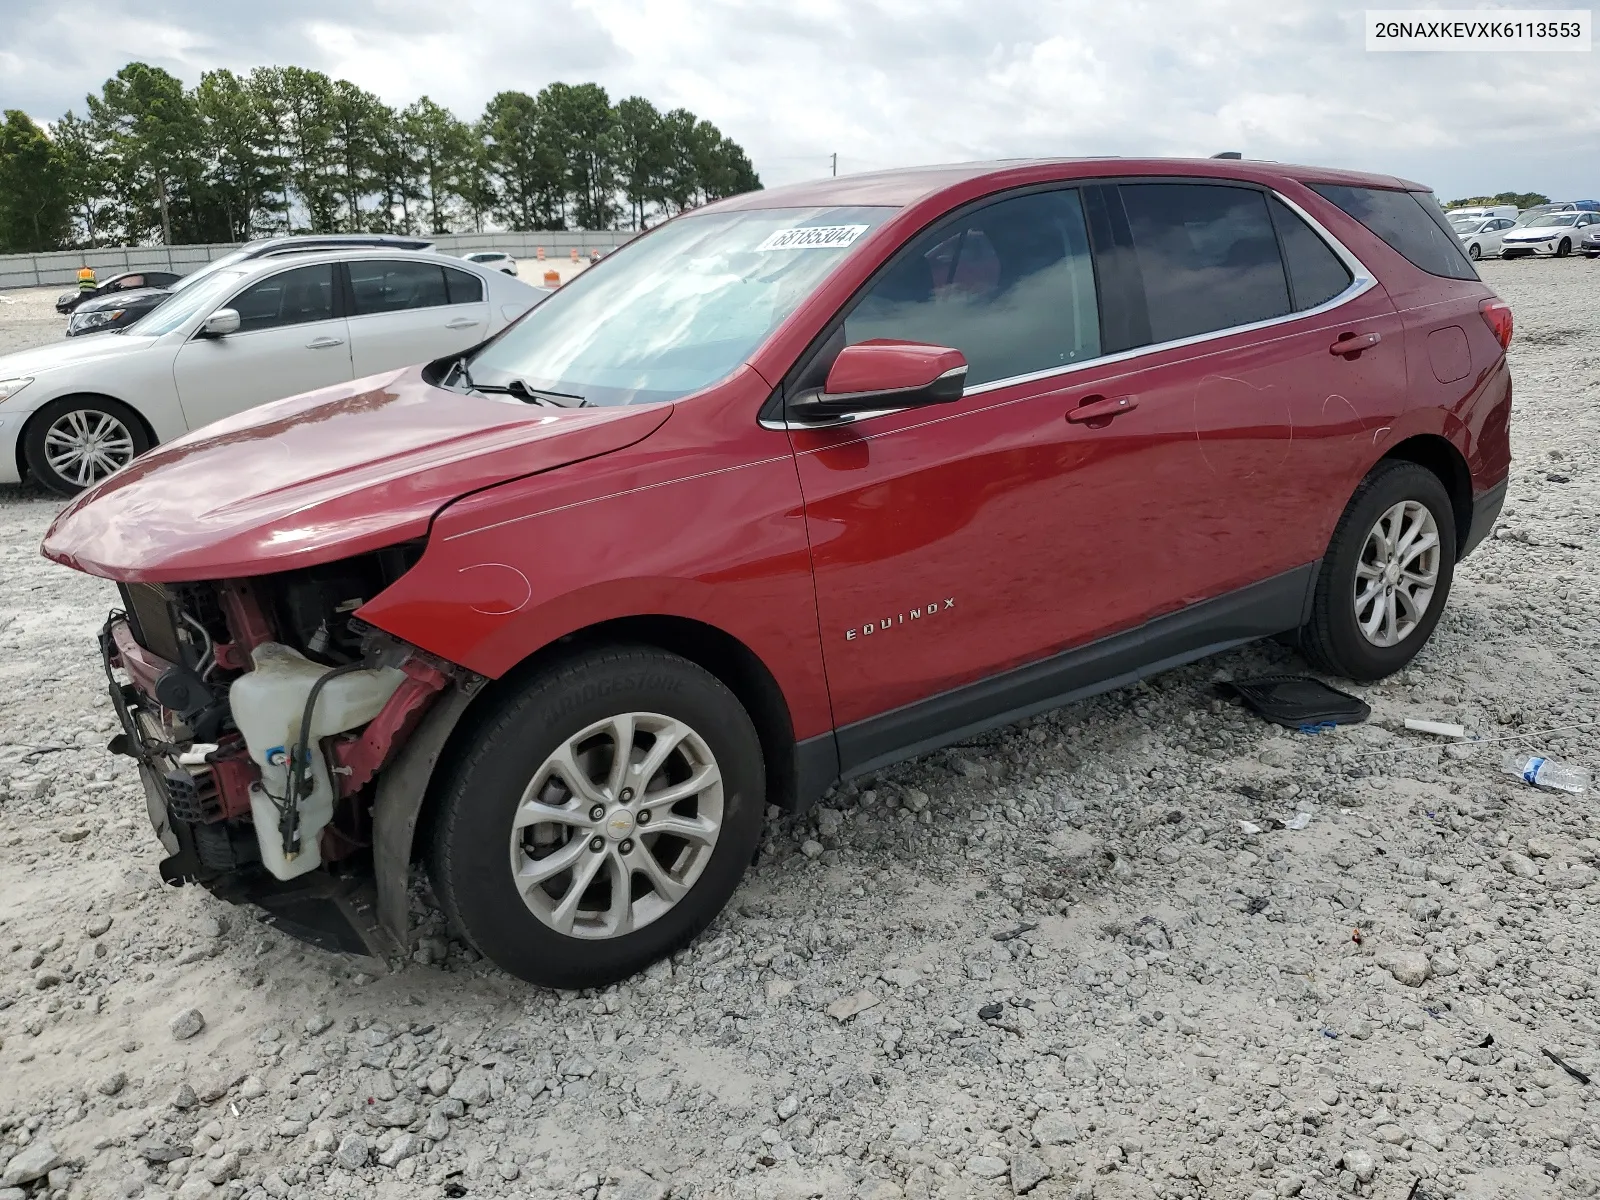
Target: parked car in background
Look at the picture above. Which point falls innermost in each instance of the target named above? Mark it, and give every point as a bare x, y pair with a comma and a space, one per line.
1529, 216
789, 488
1481, 238
1483, 212
251, 331
494, 259
123, 309
1550, 233
127, 281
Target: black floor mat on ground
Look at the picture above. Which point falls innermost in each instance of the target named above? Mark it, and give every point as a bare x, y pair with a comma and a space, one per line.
1299, 701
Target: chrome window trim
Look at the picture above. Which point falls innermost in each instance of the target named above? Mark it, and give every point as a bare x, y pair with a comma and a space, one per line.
1362, 281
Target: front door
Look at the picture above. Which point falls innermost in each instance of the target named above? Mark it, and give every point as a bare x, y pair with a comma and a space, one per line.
289, 341
951, 542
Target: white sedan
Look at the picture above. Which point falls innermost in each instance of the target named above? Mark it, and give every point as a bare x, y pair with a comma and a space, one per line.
74, 412
1482, 238
1556, 233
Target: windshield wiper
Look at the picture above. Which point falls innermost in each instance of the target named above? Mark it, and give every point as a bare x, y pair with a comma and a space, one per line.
533, 395
516, 387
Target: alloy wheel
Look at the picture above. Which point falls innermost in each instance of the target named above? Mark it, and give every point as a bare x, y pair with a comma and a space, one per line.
1397, 573
616, 825
84, 445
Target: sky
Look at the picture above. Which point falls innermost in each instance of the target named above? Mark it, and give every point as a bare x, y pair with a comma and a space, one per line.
885, 83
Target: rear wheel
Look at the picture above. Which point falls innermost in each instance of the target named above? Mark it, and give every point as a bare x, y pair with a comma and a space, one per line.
1386, 575
602, 818
76, 441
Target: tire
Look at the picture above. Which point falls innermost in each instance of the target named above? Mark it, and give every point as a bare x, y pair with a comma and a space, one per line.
475, 850
1564, 248
1334, 639
1473, 252
46, 444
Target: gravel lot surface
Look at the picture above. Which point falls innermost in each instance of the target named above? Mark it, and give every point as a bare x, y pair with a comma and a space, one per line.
1051, 961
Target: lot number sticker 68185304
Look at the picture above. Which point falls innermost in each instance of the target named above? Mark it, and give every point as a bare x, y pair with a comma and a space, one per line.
813, 237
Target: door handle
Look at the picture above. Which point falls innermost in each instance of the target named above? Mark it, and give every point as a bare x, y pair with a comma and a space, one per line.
461, 323
324, 343
1350, 345
1101, 408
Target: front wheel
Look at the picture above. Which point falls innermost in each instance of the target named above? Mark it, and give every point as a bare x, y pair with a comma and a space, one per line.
1473, 252
1386, 575
76, 441
601, 818
1564, 248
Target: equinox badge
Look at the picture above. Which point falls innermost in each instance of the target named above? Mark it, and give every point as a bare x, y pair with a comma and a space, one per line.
888, 623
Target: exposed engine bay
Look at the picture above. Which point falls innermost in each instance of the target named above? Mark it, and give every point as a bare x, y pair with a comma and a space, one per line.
260, 712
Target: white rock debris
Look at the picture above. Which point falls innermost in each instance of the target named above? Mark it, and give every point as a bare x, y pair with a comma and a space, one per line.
1076, 957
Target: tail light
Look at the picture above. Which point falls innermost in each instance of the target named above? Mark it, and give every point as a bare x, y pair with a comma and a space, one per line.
1497, 315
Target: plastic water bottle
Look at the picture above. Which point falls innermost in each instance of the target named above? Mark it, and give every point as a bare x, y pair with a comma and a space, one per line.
1547, 772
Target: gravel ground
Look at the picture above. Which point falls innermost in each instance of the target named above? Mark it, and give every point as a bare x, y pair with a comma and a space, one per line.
1051, 961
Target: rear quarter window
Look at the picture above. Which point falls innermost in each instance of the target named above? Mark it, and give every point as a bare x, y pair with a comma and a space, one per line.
1411, 223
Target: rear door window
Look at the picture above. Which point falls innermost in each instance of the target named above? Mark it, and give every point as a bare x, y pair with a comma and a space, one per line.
1207, 256
463, 287
1316, 273
294, 297
377, 286
1411, 223
1010, 285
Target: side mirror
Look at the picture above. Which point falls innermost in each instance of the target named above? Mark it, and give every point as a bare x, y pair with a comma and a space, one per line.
880, 375
221, 323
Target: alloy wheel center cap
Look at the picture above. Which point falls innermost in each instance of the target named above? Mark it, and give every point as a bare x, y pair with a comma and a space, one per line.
619, 824
1391, 573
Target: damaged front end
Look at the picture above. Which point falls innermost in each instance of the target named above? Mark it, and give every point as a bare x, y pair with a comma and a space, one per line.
261, 714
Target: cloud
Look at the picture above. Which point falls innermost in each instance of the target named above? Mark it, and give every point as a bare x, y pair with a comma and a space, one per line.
892, 82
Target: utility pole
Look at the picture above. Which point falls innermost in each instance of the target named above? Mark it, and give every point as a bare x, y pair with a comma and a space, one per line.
836, 162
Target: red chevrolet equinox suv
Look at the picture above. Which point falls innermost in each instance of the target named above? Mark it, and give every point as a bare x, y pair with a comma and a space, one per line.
792, 487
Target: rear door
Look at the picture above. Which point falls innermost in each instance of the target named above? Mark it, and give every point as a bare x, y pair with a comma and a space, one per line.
405, 311
290, 340
1253, 423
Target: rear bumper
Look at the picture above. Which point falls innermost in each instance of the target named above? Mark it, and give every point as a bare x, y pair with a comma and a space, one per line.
1485, 512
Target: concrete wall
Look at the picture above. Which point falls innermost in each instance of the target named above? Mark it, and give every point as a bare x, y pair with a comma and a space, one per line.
61, 266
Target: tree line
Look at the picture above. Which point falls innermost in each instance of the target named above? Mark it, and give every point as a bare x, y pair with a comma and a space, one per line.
1520, 199
285, 149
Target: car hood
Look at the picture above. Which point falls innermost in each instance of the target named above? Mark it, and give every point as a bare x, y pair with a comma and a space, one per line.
1537, 233
320, 477
69, 351
126, 299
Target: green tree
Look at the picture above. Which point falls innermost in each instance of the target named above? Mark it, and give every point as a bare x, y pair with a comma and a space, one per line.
87, 173
444, 150
1520, 199
35, 196
640, 151
580, 127
358, 122
524, 154
148, 126
306, 99
240, 140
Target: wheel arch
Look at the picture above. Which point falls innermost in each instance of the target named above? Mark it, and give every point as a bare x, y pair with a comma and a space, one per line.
33, 419
1436, 453
409, 787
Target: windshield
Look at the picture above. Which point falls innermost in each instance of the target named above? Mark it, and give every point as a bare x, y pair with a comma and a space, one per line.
677, 310
1474, 225
173, 312
1566, 218
205, 272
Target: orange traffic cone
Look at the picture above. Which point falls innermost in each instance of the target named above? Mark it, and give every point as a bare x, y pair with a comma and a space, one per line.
552, 279
541, 253
574, 254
